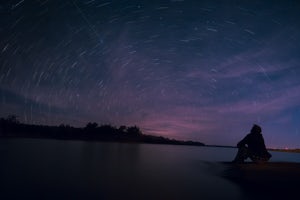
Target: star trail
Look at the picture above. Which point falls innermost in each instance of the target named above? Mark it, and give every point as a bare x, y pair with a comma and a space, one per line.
190, 70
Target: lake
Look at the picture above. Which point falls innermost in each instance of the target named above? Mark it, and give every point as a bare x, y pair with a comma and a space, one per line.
57, 169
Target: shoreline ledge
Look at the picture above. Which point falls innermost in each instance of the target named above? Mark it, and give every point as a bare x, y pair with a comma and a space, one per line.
265, 180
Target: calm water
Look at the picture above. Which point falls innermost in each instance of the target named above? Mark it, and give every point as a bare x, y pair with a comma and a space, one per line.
52, 169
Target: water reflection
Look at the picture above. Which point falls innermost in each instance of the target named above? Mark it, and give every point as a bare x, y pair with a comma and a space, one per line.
51, 169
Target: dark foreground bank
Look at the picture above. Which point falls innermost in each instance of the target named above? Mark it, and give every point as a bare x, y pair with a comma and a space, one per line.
265, 181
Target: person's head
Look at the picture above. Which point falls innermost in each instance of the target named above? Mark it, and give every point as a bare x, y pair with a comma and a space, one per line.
256, 129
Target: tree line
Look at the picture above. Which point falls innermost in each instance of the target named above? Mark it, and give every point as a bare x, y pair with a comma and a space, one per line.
11, 127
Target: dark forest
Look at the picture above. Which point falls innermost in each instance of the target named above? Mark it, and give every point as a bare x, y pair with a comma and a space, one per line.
11, 127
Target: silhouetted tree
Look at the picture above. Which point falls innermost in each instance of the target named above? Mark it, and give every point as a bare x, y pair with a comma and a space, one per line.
122, 129
12, 119
134, 130
107, 129
64, 126
91, 125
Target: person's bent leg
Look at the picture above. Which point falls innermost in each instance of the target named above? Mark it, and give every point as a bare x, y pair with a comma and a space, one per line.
241, 155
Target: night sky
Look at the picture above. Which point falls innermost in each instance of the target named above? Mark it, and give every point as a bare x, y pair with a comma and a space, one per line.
191, 70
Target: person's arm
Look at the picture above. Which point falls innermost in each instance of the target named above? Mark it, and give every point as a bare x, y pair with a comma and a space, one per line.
243, 142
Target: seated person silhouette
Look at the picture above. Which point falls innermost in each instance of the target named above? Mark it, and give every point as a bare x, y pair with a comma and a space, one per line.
253, 147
